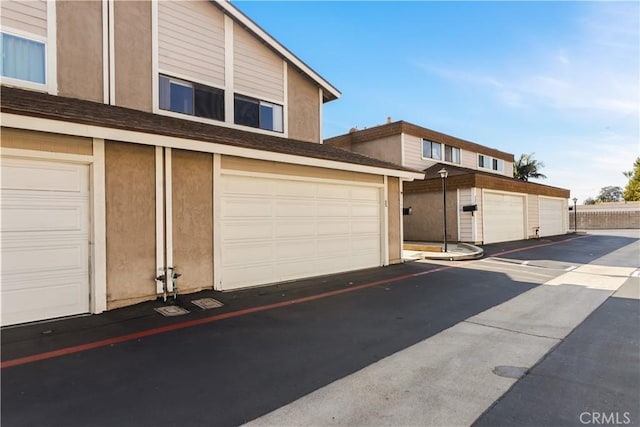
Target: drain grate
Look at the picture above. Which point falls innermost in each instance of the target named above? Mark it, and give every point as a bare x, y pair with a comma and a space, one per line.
207, 303
171, 310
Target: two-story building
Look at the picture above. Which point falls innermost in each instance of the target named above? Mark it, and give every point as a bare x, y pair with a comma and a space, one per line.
485, 204
144, 136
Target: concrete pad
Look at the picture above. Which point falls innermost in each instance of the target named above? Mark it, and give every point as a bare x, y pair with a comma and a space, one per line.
445, 380
605, 270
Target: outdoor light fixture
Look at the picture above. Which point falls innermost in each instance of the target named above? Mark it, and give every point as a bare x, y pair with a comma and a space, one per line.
443, 174
575, 215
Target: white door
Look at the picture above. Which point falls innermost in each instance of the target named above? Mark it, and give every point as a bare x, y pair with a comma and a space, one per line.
552, 213
274, 230
45, 240
503, 217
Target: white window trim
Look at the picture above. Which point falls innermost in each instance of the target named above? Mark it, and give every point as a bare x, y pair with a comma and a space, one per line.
43, 87
490, 159
187, 79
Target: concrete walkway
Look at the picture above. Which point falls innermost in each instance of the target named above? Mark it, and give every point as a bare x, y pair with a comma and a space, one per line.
453, 377
430, 250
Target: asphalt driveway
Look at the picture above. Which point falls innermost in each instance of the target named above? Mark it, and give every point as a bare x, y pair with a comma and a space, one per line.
266, 347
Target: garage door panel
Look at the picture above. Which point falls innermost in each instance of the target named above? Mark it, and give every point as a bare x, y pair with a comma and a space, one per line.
503, 216
312, 229
247, 230
361, 211
246, 208
44, 257
333, 209
65, 297
34, 176
552, 213
331, 191
45, 240
333, 228
288, 229
364, 227
242, 254
294, 208
296, 189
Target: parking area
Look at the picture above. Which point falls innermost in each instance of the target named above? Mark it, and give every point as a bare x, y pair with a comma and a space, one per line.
268, 347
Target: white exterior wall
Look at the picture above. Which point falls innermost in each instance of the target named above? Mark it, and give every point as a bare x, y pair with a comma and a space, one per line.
477, 196
258, 72
191, 41
30, 17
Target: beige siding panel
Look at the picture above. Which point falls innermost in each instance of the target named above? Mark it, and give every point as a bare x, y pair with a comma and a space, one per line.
257, 70
130, 186
44, 141
468, 159
466, 218
192, 189
533, 214
191, 40
263, 166
28, 16
413, 153
508, 169
395, 216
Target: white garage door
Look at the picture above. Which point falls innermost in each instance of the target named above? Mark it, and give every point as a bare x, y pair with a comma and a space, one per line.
274, 230
45, 240
552, 213
503, 217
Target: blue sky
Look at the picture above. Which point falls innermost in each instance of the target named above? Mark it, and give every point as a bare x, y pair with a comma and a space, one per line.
560, 79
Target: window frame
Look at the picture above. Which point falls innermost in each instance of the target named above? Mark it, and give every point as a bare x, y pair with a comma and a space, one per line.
431, 144
453, 150
27, 84
193, 86
261, 104
488, 163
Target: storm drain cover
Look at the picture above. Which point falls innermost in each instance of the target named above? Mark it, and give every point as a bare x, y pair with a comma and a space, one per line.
207, 303
171, 310
516, 372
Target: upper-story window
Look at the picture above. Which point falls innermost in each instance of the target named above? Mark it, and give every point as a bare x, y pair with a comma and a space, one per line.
257, 114
23, 59
451, 154
433, 150
181, 96
486, 162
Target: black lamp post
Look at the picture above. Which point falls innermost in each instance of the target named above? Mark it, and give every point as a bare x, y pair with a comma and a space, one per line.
443, 174
575, 215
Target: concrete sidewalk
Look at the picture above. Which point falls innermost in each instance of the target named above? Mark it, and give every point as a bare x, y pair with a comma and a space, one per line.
431, 250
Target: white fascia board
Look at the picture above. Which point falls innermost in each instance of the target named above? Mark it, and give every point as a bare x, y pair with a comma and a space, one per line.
274, 44
91, 131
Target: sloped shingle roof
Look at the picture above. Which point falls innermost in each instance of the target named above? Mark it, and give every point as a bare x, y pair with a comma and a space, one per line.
37, 104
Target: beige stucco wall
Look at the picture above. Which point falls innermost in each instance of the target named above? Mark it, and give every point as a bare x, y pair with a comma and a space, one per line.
133, 79
426, 222
239, 163
43, 141
304, 107
388, 149
192, 196
395, 216
130, 213
79, 49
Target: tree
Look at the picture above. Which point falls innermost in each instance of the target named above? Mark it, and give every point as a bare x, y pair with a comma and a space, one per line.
609, 193
527, 167
632, 190
589, 201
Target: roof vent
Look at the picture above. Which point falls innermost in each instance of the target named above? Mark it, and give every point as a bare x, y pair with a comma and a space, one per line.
388, 119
